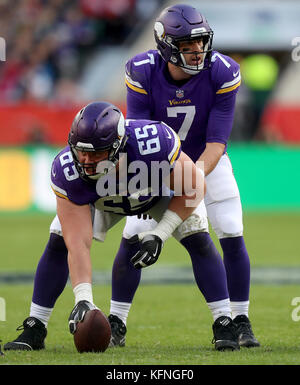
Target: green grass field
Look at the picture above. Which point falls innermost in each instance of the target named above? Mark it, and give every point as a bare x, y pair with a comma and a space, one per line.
23, 239
168, 324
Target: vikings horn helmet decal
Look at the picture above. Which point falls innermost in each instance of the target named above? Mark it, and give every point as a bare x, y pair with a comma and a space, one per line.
98, 126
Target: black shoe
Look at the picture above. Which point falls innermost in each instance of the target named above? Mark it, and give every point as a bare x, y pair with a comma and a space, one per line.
225, 335
118, 331
32, 338
245, 334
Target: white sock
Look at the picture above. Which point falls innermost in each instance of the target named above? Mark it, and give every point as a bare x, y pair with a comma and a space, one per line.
239, 308
83, 292
220, 308
41, 313
120, 309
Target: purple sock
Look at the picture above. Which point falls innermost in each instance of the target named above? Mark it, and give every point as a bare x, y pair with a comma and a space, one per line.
237, 265
125, 277
208, 267
52, 272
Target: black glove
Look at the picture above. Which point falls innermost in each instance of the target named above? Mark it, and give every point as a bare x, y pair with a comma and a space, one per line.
150, 248
78, 313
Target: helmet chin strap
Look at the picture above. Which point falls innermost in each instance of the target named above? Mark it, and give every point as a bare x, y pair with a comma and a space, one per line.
103, 168
100, 174
191, 70
93, 177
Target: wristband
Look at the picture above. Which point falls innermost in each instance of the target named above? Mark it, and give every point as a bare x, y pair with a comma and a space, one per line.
169, 222
83, 292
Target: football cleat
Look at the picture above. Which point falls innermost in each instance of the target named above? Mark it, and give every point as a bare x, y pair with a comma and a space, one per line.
225, 334
118, 331
246, 336
32, 337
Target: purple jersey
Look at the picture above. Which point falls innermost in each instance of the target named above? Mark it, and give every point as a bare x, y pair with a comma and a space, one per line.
200, 110
149, 144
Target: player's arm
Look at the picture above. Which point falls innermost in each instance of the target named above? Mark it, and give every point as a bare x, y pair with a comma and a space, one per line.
211, 156
77, 231
188, 184
219, 128
138, 105
227, 80
75, 219
188, 194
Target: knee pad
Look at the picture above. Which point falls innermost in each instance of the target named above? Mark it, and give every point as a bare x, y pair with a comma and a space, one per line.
195, 223
226, 218
230, 227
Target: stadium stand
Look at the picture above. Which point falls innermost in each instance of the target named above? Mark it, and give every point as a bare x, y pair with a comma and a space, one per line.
48, 43
66, 53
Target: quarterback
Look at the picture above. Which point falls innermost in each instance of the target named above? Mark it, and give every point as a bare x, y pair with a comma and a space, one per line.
192, 88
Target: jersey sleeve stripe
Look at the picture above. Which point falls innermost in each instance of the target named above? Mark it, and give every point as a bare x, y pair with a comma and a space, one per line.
59, 191
224, 90
133, 82
234, 81
174, 153
134, 88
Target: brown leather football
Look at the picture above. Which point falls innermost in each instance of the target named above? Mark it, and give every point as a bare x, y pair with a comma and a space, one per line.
93, 333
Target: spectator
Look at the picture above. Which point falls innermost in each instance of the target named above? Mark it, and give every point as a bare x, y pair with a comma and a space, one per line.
48, 41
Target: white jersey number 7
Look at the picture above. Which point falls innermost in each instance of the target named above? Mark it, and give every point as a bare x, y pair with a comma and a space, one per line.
189, 112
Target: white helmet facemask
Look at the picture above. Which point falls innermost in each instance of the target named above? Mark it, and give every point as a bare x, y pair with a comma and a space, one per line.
190, 69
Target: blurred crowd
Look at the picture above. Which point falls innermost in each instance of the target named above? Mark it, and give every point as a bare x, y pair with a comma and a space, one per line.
260, 73
49, 41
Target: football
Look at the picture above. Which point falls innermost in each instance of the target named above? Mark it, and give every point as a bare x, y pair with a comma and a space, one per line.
93, 333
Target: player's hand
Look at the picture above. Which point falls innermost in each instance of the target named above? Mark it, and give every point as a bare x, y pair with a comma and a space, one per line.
150, 248
78, 313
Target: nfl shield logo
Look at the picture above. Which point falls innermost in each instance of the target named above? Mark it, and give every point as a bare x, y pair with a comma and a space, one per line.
179, 94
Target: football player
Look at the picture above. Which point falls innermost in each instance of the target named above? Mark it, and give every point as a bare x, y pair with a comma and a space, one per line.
192, 88
95, 187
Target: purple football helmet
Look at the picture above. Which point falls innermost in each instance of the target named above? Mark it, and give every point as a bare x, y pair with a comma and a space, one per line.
182, 22
98, 126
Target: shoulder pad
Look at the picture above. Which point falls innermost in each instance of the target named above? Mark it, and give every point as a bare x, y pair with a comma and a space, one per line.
225, 73
138, 70
57, 177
